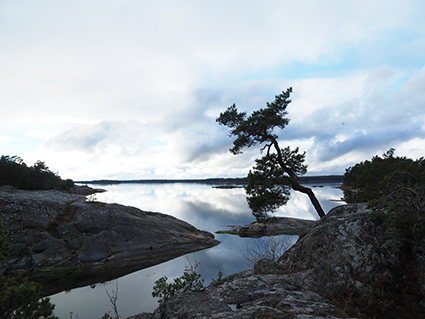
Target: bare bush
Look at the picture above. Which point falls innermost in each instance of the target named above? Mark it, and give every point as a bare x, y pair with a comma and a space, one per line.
271, 247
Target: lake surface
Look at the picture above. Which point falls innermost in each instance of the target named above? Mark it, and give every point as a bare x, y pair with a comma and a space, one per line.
204, 207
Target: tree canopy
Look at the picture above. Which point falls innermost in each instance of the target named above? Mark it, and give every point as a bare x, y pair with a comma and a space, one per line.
278, 170
365, 180
14, 172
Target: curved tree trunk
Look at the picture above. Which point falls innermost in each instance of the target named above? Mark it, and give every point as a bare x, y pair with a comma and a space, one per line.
295, 184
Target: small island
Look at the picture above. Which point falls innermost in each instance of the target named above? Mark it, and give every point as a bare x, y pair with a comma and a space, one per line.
278, 226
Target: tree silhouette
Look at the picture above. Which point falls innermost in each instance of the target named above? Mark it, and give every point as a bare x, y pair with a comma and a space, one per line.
278, 170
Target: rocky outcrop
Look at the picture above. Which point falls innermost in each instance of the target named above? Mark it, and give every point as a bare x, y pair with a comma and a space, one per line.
84, 190
245, 295
62, 232
356, 260
345, 263
347, 247
280, 226
342, 246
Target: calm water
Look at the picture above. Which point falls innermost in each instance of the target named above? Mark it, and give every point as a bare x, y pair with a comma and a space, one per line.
204, 207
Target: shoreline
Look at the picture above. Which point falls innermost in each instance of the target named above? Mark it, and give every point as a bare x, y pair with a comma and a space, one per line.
212, 181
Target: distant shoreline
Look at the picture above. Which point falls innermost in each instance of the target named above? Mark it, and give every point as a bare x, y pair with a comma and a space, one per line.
212, 181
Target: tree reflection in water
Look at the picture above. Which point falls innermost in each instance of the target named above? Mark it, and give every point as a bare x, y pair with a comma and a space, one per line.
204, 207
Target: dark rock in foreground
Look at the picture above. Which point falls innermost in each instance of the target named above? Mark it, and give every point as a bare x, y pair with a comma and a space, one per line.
345, 261
59, 234
282, 226
348, 255
246, 295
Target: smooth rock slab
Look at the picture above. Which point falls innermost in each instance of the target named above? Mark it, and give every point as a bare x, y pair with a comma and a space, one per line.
54, 232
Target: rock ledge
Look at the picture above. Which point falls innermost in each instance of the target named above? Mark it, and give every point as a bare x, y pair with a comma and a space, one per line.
342, 262
282, 226
51, 231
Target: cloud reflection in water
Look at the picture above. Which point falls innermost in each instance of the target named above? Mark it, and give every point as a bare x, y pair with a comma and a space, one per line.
202, 206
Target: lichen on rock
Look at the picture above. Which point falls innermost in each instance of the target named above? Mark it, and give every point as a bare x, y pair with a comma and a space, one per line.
346, 264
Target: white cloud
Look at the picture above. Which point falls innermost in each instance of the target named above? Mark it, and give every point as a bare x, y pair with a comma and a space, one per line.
133, 87
4, 138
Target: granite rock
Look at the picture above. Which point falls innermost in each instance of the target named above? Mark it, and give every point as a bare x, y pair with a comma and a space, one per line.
51, 230
346, 249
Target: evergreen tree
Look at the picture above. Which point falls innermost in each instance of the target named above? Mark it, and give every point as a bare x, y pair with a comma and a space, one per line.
364, 181
278, 170
14, 172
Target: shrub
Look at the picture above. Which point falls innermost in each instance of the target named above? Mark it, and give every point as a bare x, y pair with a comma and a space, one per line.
220, 280
270, 247
20, 298
189, 281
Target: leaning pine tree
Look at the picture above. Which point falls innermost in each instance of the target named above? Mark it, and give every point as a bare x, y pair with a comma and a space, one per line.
277, 171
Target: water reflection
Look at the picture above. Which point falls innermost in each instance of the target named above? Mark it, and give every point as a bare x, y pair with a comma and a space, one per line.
204, 207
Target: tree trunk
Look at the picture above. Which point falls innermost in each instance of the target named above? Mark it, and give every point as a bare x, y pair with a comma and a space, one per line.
296, 186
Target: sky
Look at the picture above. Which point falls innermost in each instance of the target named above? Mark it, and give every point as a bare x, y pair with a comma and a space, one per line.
126, 89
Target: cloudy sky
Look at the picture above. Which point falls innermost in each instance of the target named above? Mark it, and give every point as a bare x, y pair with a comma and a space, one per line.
131, 89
